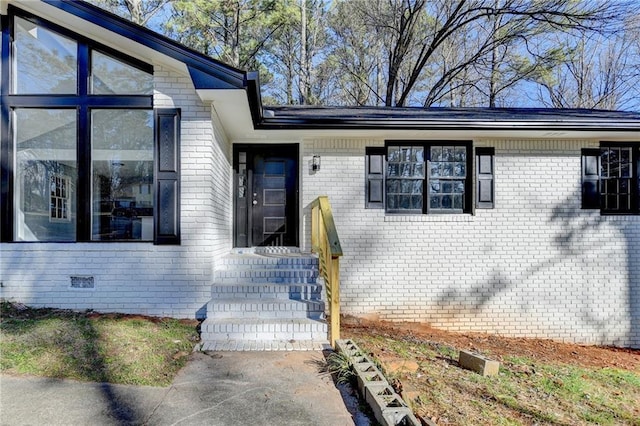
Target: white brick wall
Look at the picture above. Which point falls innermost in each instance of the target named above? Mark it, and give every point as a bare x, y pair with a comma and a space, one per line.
141, 277
536, 265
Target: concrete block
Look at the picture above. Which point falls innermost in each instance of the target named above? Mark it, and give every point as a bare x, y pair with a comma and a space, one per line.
387, 406
399, 417
381, 396
349, 348
478, 363
367, 377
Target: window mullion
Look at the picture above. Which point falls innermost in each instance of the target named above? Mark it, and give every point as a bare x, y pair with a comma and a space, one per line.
426, 203
6, 148
83, 192
83, 69
635, 179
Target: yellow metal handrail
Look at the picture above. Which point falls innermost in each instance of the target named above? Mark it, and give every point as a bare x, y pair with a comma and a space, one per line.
325, 242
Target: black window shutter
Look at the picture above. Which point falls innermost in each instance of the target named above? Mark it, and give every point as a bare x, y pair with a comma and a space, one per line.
167, 177
591, 178
485, 191
374, 172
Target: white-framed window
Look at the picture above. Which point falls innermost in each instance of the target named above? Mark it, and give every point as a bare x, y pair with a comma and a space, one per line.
59, 197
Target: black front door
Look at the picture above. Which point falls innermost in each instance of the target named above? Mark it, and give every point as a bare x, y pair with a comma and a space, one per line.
266, 200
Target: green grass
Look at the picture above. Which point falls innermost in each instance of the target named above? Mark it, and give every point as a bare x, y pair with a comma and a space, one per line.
526, 391
90, 347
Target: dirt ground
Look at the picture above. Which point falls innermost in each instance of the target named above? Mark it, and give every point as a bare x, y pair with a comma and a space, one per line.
499, 347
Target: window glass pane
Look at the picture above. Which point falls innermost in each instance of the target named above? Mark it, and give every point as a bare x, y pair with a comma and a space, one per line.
457, 202
392, 203
404, 202
394, 153
45, 62
448, 168
616, 183
416, 202
46, 174
436, 153
604, 162
405, 173
110, 76
393, 186
447, 153
122, 174
435, 169
435, 202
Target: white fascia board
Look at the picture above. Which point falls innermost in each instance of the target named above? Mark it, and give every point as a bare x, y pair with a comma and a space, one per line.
245, 133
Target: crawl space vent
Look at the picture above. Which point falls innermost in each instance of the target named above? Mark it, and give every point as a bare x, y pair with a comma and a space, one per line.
82, 283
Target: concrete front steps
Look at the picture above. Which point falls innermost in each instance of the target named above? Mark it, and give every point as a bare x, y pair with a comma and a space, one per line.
266, 299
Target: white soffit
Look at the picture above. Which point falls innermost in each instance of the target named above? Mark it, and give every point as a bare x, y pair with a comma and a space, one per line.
236, 119
232, 108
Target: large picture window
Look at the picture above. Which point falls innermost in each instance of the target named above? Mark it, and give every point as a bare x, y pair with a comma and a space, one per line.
122, 174
80, 141
45, 62
46, 174
428, 177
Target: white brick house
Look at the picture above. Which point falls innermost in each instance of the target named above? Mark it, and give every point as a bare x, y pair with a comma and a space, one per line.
523, 222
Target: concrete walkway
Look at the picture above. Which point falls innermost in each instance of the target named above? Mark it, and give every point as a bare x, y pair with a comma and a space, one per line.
215, 388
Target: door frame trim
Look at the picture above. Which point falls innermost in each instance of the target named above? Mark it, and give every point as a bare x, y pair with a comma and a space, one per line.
249, 147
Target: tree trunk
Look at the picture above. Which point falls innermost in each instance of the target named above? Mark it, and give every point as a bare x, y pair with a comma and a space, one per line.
304, 66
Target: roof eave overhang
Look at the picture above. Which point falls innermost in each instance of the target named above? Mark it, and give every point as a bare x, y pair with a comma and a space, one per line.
319, 124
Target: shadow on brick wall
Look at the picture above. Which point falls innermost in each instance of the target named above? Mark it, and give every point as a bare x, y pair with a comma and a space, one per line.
582, 228
578, 229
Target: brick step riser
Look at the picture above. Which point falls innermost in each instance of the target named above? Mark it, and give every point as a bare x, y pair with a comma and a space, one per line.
265, 311
266, 275
264, 315
319, 336
267, 291
226, 266
261, 281
264, 331
292, 263
258, 326
265, 345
